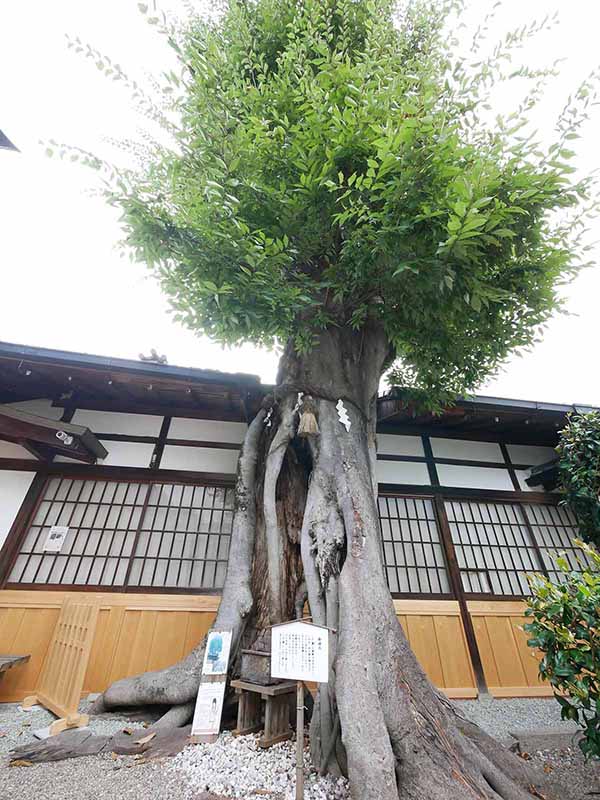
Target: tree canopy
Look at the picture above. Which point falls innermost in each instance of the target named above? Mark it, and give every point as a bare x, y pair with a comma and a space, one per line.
338, 160
579, 472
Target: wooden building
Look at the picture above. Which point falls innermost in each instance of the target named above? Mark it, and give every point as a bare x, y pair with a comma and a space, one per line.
137, 462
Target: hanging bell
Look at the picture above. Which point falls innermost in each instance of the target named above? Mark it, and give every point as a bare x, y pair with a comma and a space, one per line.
308, 425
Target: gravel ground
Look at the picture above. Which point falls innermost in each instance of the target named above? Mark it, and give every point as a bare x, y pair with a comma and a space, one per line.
499, 717
237, 768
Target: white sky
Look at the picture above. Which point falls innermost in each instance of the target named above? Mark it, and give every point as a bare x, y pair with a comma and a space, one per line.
64, 282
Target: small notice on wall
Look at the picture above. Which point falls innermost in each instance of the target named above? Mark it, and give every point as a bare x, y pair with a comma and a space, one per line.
216, 654
55, 539
300, 652
209, 705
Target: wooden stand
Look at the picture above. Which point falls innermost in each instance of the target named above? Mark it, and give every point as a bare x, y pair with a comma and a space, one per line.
61, 680
277, 710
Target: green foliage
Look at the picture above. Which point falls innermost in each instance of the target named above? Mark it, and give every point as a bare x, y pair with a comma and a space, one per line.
579, 471
335, 161
564, 626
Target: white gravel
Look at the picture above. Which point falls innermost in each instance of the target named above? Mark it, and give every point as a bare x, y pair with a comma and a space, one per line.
234, 767
238, 767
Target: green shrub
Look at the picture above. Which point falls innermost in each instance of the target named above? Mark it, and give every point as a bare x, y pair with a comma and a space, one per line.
579, 472
564, 626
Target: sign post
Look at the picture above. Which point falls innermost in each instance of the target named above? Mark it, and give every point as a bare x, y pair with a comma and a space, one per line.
300, 652
299, 740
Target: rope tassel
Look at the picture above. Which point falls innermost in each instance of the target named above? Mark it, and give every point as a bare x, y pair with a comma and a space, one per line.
308, 425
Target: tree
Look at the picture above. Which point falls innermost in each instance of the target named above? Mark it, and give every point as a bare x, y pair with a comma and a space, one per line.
337, 186
563, 624
579, 472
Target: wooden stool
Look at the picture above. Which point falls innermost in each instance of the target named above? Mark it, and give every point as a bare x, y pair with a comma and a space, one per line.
277, 710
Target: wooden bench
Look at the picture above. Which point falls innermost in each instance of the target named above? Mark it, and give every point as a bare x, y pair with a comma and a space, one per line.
278, 699
6, 662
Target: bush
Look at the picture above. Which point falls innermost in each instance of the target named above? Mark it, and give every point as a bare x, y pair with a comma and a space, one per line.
579, 472
564, 626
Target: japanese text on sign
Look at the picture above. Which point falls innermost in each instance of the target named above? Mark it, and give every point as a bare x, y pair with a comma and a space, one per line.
300, 652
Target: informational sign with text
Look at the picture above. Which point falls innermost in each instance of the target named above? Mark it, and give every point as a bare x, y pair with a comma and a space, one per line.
300, 652
209, 705
55, 539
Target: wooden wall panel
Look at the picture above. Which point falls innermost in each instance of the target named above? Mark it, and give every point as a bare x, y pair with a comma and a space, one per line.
510, 666
137, 632
435, 632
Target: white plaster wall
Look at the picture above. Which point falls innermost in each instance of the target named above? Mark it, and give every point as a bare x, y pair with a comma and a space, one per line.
11, 450
13, 488
201, 459
127, 454
529, 454
402, 472
206, 430
469, 451
392, 445
116, 422
474, 477
43, 408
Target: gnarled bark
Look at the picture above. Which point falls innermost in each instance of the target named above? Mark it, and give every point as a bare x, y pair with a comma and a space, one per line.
306, 521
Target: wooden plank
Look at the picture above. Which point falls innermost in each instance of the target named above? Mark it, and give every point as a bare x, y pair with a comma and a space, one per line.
286, 687
169, 637
496, 608
141, 657
11, 620
422, 638
97, 664
486, 651
33, 637
122, 647
460, 693
456, 666
20, 598
506, 656
521, 691
427, 607
198, 626
530, 658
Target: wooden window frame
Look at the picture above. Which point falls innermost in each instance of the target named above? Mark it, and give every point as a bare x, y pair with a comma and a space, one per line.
145, 477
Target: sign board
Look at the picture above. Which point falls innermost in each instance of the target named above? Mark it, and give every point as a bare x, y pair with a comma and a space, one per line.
55, 539
216, 653
209, 702
300, 652
209, 705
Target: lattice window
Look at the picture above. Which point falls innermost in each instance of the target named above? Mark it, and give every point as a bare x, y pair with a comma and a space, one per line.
494, 548
412, 551
184, 537
495, 543
554, 528
136, 534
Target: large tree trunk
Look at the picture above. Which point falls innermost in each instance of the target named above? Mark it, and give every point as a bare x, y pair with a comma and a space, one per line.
306, 520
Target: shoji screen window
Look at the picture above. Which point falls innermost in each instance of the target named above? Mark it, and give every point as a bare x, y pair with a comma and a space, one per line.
554, 529
412, 553
120, 534
493, 545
